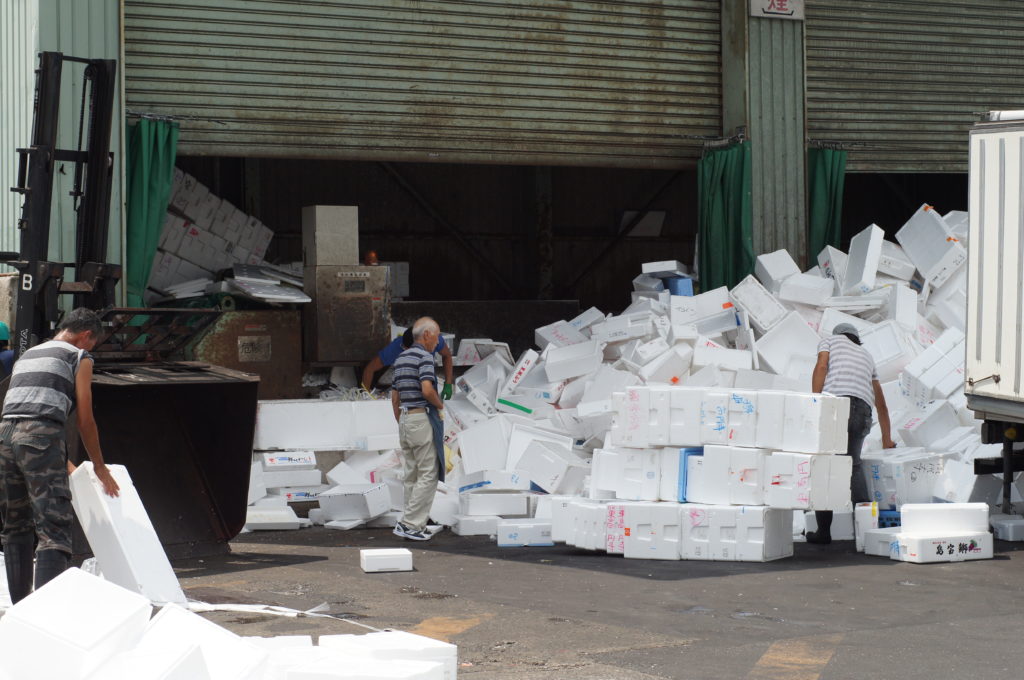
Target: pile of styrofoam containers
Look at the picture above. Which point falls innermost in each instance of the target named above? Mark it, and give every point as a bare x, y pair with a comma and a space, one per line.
86, 628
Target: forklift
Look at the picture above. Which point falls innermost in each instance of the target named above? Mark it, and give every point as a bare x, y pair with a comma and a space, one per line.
184, 430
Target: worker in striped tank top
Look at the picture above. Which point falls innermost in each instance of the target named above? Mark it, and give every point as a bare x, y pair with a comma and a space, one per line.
846, 369
48, 382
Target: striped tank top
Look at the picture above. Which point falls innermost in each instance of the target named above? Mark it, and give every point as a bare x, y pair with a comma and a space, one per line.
43, 382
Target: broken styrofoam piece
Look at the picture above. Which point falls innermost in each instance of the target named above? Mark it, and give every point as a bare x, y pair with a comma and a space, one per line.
121, 535
790, 348
763, 309
271, 518
227, 655
343, 524
373, 560
862, 265
735, 533
806, 289
833, 263
931, 246
355, 501
572, 361
73, 624
322, 425
894, 262
947, 546
772, 269
524, 533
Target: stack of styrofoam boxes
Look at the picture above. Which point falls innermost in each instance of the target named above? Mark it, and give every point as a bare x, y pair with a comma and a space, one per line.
202, 234
105, 631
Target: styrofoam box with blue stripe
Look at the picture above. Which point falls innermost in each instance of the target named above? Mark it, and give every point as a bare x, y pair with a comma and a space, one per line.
524, 532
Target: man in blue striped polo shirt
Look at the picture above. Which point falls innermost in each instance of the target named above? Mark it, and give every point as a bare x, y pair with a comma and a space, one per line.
414, 391
49, 380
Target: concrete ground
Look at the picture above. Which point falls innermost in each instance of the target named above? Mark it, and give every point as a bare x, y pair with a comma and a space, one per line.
540, 613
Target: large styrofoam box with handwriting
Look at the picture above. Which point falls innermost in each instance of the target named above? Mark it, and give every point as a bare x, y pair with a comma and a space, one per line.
388, 645
654, 531
735, 533
950, 546
862, 263
70, 627
804, 481
895, 263
903, 475
228, 656
121, 535
559, 334
940, 518
883, 542
931, 246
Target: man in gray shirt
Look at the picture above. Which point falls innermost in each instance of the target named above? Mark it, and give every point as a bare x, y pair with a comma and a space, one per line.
846, 369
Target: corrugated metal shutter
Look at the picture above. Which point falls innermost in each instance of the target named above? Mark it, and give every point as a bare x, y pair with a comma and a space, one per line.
904, 79
477, 81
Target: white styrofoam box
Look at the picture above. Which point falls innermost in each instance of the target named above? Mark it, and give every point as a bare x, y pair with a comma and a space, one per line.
644, 353
587, 319
865, 518
554, 468
726, 475
615, 528
931, 519
288, 460
862, 265
715, 312
257, 489
272, 501
121, 535
833, 317
797, 480
355, 501
888, 344
922, 428
683, 317
521, 436
643, 282
894, 262
948, 303
902, 307
585, 527
882, 542
811, 315
572, 361
394, 645
742, 419
790, 348
561, 515
559, 334
957, 221
171, 664
772, 269
500, 504
639, 475
707, 481
746, 474
671, 368
1007, 527
654, 531
733, 359
842, 524
373, 560
227, 655
481, 382
475, 525
904, 475
931, 246
813, 423
771, 421
484, 446
806, 289
284, 478
493, 480
445, 507
949, 546
527, 362
524, 532
833, 263
75, 623
731, 533
343, 473
664, 269
319, 425
271, 518
763, 309
599, 389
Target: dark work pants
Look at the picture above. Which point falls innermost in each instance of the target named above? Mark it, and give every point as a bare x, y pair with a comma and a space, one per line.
856, 431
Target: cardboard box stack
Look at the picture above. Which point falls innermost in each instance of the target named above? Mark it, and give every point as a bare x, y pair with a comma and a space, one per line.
202, 234
684, 427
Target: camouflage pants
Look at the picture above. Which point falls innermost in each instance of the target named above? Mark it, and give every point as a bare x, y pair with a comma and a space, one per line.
35, 497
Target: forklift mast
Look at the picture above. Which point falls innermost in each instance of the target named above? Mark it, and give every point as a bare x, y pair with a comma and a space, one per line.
42, 281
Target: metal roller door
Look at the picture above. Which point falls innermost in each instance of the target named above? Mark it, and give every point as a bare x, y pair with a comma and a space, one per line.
900, 81
625, 84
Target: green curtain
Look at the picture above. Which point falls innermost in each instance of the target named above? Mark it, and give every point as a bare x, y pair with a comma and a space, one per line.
826, 173
725, 230
152, 146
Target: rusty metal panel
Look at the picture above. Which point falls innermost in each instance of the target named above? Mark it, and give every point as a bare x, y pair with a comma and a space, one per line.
901, 81
265, 343
540, 82
349, 319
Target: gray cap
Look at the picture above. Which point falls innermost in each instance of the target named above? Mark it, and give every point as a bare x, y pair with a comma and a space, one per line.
842, 328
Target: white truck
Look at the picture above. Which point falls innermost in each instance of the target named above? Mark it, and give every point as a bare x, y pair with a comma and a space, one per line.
994, 368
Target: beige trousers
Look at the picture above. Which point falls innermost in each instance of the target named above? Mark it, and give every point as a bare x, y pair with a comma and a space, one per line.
420, 461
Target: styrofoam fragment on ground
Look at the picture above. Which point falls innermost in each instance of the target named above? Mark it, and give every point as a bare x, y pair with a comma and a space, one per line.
862, 264
271, 518
806, 289
894, 262
355, 501
773, 268
951, 546
74, 624
227, 656
373, 560
931, 246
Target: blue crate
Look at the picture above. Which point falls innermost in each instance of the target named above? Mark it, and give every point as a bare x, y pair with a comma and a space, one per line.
888, 518
680, 285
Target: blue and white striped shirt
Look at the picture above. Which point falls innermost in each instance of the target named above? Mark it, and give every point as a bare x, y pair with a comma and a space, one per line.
411, 368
